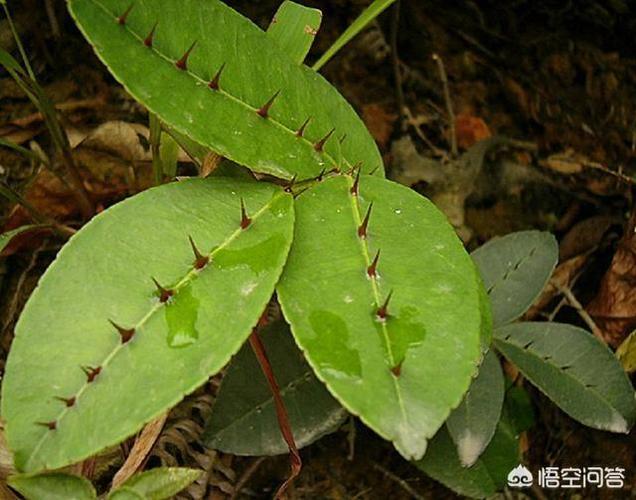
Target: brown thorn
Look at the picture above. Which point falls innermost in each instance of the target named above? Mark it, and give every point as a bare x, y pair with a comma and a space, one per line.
382, 311
397, 370
214, 83
320, 145
122, 19
356, 183
372, 269
164, 293
125, 333
245, 220
67, 401
263, 111
200, 260
303, 127
183, 62
151, 35
52, 425
91, 372
362, 230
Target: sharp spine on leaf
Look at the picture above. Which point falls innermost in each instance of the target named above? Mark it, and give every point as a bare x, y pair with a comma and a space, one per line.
303, 127
122, 19
125, 333
52, 425
245, 220
320, 145
214, 83
151, 35
356, 183
164, 293
342, 139
200, 260
372, 269
362, 230
67, 401
263, 111
183, 62
383, 310
375, 169
397, 370
91, 372
322, 173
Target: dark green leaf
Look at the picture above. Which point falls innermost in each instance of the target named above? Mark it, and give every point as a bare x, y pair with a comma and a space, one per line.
574, 369
244, 419
515, 269
472, 424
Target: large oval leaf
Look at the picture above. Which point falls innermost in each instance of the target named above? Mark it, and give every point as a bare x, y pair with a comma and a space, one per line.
254, 70
515, 269
105, 273
401, 373
472, 424
244, 421
574, 369
159, 483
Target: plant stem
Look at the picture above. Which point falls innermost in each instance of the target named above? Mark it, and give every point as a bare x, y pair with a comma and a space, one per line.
281, 411
449, 104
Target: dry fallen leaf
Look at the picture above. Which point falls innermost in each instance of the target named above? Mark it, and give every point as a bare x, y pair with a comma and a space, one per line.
614, 307
379, 122
470, 130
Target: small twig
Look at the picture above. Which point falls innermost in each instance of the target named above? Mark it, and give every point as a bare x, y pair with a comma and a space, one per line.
246, 476
579, 309
50, 12
140, 450
398, 480
395, 60
449, 103
281, 411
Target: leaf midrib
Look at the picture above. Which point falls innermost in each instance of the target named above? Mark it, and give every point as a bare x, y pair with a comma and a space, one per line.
597, 395
188, 277
357, 217
220, 91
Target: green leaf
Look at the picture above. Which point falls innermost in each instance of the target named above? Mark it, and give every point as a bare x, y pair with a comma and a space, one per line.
368, 15
486, 476
294, 29
626, 353
255, 69
125, 494
574, 369
161, 483
473, 423
53, 486
105, 273
244, 419
5, 238
401, 375
515, 269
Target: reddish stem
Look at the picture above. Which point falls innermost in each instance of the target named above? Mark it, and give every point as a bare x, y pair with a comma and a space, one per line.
281, 411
